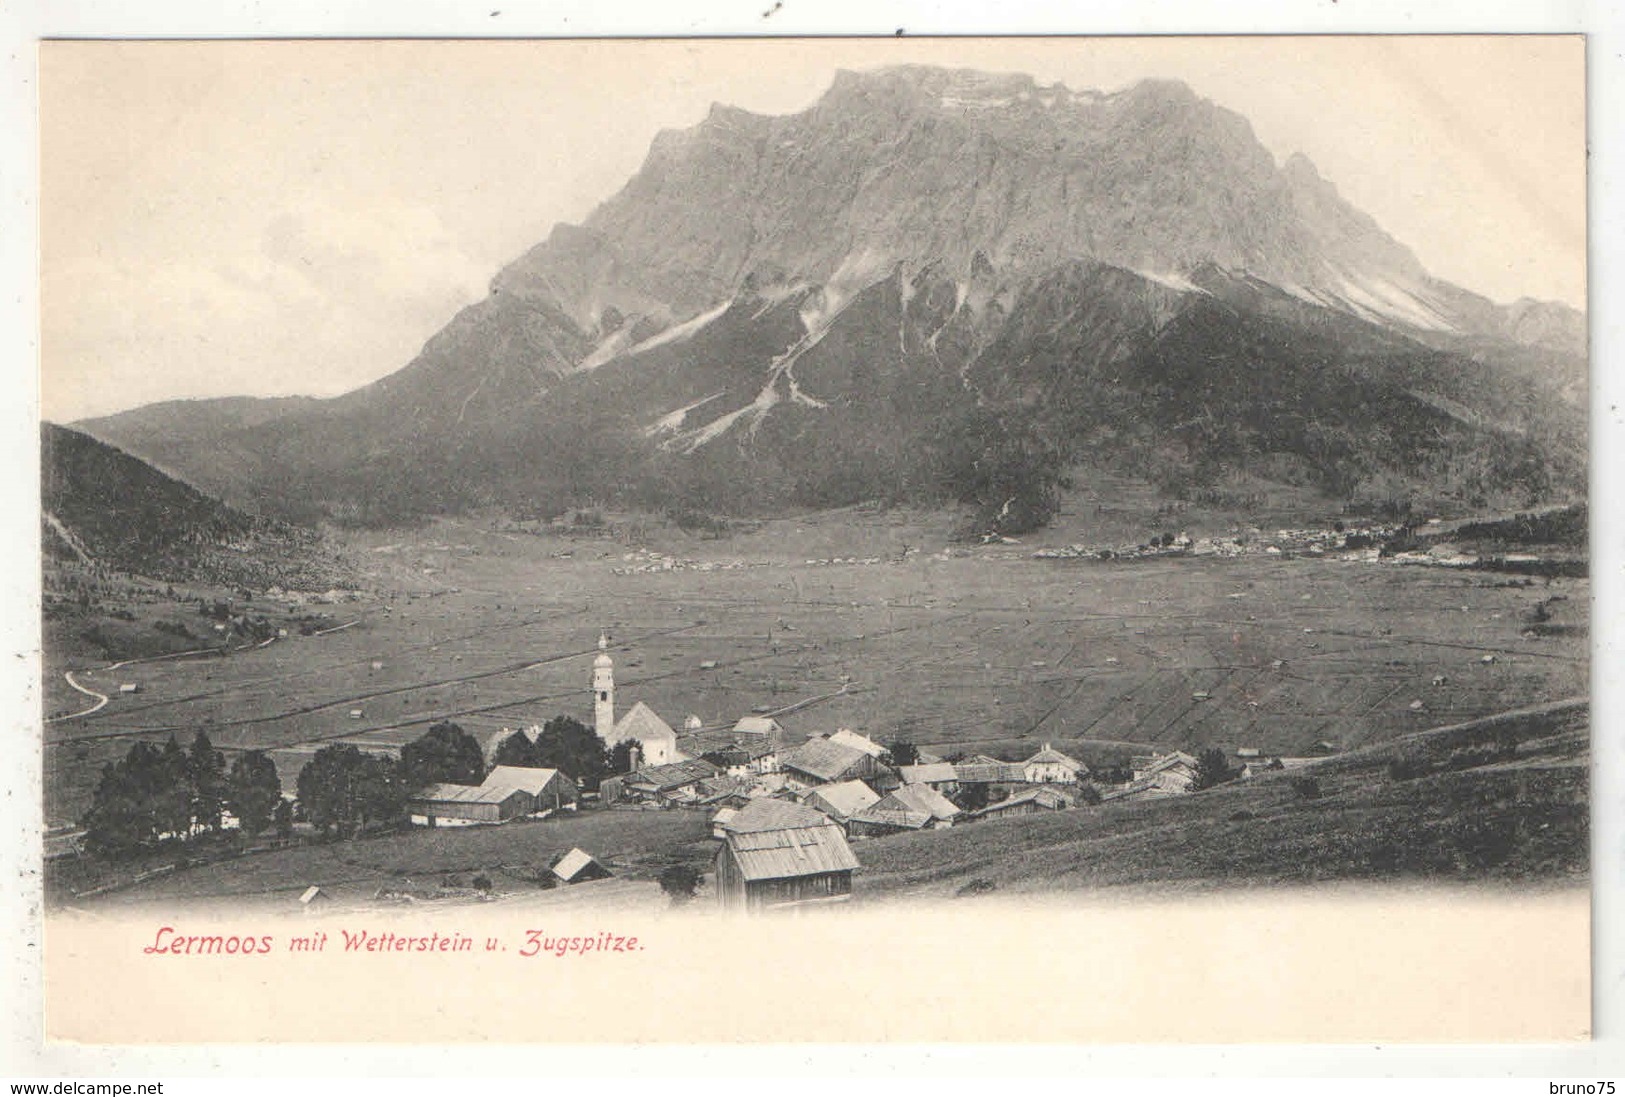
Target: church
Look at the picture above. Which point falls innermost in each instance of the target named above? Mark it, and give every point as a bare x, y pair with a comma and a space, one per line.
657, 742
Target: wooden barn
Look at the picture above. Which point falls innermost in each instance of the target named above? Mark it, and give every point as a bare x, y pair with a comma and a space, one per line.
549, 789
777, 854
1030, 802
826, 762
467, 805
912, 807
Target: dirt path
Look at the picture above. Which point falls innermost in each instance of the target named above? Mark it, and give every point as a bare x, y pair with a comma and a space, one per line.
101, 700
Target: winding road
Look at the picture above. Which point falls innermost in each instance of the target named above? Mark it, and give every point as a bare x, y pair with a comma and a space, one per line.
101, 700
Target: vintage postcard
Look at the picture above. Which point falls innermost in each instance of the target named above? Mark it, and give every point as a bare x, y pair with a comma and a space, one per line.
868, 540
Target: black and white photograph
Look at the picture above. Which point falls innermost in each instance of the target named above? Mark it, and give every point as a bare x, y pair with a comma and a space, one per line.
764, 486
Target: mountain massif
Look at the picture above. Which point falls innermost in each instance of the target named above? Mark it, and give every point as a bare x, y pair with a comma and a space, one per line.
932, 286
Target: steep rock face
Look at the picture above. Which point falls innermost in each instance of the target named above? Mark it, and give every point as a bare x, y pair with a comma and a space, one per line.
922, 164
799, 311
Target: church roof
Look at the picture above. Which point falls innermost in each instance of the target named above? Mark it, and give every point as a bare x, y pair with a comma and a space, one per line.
642, 724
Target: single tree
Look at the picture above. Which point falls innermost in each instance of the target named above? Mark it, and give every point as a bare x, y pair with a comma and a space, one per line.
972, 797
622, 755
172, 794
121, 818
206, 772
904, 754
516, 750
1212, 768
444, 754
382, 790
569, 745
337, 787
253, 791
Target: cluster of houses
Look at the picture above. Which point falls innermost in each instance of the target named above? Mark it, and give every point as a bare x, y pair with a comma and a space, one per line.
786, 817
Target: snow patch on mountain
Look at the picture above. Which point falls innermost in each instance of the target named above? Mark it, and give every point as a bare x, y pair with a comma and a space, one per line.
609, 348
680, 332
1380, 300
1172, 280
716, 428
673, 420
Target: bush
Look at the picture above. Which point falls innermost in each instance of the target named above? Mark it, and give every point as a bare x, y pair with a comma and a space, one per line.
1307, 788
680, 883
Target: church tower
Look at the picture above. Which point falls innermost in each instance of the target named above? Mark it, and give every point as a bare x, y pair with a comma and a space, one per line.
603, 691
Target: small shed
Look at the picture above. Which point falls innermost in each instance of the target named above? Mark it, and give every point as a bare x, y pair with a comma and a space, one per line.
720, 821
758, 725
314, 898
579, 866
129, 687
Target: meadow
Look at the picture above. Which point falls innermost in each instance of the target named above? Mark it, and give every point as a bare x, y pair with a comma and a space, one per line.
873, 618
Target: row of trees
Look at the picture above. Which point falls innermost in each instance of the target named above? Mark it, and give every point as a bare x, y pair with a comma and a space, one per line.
154, 794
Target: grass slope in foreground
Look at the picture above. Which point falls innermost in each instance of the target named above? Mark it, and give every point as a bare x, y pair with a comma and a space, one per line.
1503, 799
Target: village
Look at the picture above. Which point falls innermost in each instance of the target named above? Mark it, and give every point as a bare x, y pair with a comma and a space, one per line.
790, 820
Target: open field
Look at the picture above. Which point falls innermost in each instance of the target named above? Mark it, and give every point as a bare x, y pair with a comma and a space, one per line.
976, 649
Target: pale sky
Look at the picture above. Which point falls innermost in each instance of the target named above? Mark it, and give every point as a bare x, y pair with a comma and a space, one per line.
268, 218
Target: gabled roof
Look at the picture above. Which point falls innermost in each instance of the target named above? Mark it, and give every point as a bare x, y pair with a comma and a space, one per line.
1051, 756
465, 794
576, 862
1047, 797
921, 798
673, 775
757, 725
926, 758
935, 773
849, 738
728, 752
698, 743
764, 813
724, 816
845, 798
529, 779
1146, 786
823, 758
903, 819
713, 789
1169, 761
790, 851
642, 723
984, 760
979, 773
